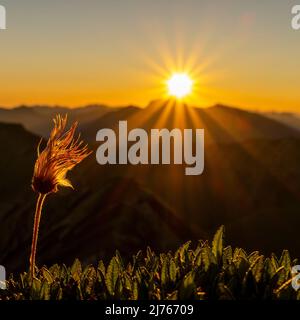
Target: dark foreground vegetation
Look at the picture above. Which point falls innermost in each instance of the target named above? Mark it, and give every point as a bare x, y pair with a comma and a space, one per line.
206, 272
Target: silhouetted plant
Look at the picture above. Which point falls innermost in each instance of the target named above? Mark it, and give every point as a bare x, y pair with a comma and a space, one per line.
62, 154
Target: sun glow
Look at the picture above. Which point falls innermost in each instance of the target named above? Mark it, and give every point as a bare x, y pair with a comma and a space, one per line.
180, 85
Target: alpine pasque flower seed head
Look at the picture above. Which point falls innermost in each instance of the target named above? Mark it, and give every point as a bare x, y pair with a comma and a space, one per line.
61, 154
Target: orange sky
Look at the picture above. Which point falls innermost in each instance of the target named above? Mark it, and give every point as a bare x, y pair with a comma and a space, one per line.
119, 53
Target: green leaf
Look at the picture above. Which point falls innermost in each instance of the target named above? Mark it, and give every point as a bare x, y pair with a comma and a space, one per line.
173, 271
64, 273
118, 288
164, 276
101, 267
238, 253
45, 291
88, 280
188, 287
128, 282
76, 270
257, 268
274, 261
112, 276
182, 251
217, 245
47, 275
55, 271
136, 260
119, 259
285, 260
227, 256
35, 289
242, 266
207, 258
135, 294
253, 256
269, 269
286, 263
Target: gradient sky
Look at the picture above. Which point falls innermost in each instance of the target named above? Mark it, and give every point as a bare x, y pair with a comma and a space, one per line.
72, 52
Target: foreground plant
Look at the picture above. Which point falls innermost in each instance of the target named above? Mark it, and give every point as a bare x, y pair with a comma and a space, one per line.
61, 154
206, 271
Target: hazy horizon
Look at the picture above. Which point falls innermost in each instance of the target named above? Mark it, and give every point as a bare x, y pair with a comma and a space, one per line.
121, 52
297, 112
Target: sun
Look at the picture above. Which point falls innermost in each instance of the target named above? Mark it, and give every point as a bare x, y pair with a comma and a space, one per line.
180, 85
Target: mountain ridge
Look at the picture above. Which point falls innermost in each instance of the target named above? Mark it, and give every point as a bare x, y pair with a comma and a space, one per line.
250, 184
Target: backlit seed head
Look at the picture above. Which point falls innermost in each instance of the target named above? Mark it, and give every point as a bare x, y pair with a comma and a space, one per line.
61, 154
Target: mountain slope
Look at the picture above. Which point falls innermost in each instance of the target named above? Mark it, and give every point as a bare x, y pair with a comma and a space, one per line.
290, 119
221, 124
89, 222
36, 119
250, 184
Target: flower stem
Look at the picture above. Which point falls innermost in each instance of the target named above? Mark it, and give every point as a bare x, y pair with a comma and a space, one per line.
37, 218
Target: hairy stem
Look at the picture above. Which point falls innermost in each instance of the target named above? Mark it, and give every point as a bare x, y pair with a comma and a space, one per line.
37, 218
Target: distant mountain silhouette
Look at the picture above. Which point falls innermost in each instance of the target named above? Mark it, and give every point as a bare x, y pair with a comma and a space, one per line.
251, 184
109, 120
36, 118
290, 119
221, 124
